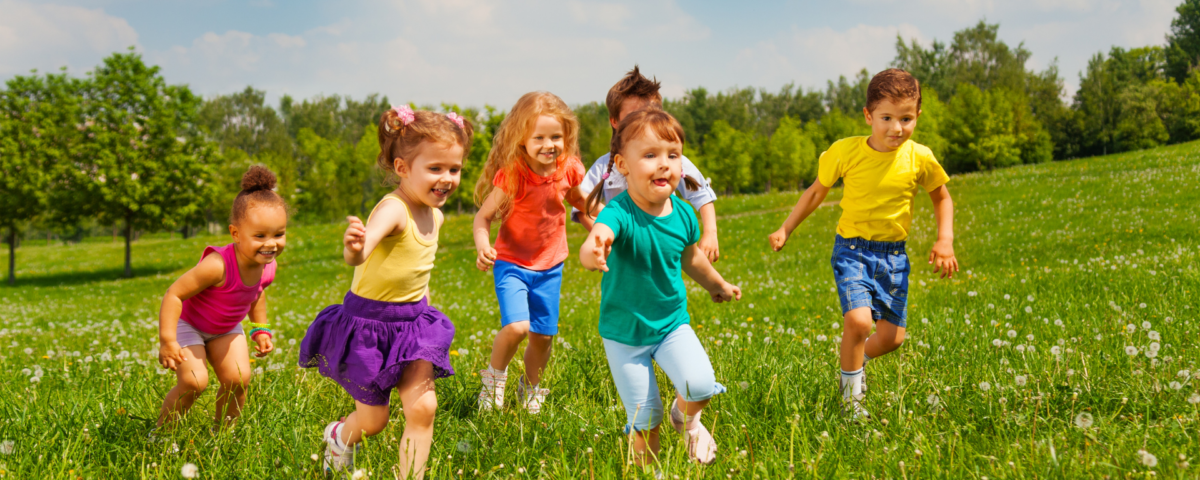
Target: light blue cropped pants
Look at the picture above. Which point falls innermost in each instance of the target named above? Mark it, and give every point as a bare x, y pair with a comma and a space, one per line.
679, 355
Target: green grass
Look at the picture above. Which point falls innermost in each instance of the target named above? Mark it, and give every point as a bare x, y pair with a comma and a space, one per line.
1067, 254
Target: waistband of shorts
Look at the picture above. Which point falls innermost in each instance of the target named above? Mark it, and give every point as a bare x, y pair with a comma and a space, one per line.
872, 245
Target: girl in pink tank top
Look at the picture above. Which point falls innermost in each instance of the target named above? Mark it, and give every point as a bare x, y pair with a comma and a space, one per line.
201, 315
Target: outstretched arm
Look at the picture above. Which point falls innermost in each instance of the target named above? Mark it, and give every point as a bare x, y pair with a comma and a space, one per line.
485, 255
942, 255
593, 254
696, 265
812, 198
389, 218
210, 271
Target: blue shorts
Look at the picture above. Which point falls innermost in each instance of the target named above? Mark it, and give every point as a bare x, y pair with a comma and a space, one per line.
872, 274
679, 355
529, 295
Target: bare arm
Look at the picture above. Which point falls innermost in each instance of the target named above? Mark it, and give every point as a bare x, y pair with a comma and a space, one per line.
210, 271
697, 266
593, 254
258, 314
942, 255
812, 198
389, 218
485, 255
708, 240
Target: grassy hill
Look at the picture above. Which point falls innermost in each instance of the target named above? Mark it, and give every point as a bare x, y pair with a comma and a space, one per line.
1017, 367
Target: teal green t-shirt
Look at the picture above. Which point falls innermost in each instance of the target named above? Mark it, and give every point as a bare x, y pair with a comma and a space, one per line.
642, 296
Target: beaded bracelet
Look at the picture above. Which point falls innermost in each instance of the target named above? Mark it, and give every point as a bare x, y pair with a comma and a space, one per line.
256, 328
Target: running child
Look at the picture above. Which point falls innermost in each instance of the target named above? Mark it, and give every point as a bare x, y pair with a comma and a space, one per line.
642, 241
200, 321
532, 168
385, 334
632, 93
881, 174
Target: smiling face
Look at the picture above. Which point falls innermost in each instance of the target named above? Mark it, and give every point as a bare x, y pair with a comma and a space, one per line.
432, 175
892, 123
545, 143
261, 234
651, 166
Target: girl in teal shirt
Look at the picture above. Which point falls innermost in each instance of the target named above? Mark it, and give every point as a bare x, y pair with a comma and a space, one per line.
641, 241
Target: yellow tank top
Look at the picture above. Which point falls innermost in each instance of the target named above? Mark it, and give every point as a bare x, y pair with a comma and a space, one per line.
397, 271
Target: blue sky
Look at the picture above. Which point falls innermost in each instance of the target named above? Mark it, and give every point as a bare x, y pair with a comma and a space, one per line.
476, 52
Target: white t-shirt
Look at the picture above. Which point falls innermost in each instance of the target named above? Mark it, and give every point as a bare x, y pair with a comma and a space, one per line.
615, 184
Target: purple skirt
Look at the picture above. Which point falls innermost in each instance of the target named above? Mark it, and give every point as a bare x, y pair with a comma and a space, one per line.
365, 344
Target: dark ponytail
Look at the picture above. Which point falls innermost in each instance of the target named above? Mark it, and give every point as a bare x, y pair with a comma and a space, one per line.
258, 188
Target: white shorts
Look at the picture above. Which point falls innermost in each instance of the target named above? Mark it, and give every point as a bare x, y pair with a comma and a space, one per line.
187, 335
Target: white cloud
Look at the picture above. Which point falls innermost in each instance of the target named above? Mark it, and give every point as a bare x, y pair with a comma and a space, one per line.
47, 37
811, 56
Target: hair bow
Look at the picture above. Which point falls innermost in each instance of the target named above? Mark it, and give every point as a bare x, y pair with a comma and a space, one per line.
454, 117
405, 114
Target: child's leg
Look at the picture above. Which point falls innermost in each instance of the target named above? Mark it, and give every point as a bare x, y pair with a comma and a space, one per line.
633, 374
545, 292
512, 293
886, 339
506, 343
191, 379
537, 355
230, 359
683, 359
856, 328
420, 404
364, 421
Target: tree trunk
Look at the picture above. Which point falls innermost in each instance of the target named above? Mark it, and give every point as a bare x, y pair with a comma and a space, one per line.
12, 255
768, 188
128, 239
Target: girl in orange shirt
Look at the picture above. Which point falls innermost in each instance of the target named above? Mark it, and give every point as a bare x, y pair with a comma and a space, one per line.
532, 167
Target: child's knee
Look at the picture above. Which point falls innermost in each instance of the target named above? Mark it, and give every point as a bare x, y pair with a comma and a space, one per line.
858, 325
193, 384
539, 339
421, 411
697, 387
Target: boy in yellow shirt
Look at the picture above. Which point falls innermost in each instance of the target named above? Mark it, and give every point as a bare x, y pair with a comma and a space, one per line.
881, 174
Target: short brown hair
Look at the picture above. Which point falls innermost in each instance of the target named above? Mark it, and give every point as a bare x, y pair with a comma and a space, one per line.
397, 140
633, 84
893, 84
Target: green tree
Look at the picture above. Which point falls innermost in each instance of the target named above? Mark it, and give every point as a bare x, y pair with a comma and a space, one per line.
848, 98
1183, 42
931, 123
791, 158
979, 131
595, 133
142, 166
1139, 126
728, 157
38, 135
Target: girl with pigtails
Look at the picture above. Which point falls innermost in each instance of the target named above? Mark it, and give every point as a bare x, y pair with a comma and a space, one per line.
385, 335
643, 240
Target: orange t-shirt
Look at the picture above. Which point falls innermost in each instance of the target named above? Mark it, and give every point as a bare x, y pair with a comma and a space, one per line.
534, 235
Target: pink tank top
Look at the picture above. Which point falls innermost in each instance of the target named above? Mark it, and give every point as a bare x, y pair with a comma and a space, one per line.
217, 310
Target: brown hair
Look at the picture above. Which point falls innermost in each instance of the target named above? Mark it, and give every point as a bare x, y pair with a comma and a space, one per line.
661, 123
257, 189
508, 152
397, 140
893, 84
635, 85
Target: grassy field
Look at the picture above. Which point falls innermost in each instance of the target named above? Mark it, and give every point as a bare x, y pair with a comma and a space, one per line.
1066, 348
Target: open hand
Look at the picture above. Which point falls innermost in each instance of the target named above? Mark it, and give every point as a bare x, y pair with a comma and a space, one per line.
778, 239
942, 258
709, 246
356, 235
600, 252
171, 355
485, 257
263, 344
727, 292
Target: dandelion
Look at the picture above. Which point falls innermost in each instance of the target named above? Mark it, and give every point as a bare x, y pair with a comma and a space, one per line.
1056, 350
933, 400
1176, 385
7, 446
1151, 353
1021, 379
1012, 334
1058, 323
997, 342
1183, 374
1003, 400
26, 372
744, 385
28, 351
189, 470
1194, 399
1006, 297
1021, 348
1142, 305
1153, 335
1154, 346
1148, 459
972, 294
1131, 328
1030, 298
464, 447
359, 474
1084, 420
985, 386
1131, 350
1028, 309
1029, 337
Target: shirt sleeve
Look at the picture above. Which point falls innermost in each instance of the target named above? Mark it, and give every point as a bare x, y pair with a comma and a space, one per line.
931, 175
701, 196
589, 182
829, 167
614, 216
575, 172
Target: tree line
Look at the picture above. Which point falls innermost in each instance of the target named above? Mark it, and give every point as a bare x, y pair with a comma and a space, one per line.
122, 149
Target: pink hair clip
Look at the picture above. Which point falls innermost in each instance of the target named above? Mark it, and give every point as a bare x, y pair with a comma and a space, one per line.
405, 114
605, 176
454, 117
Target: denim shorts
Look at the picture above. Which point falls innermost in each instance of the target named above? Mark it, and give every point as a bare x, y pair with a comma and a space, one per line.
529, 295
679, 355
872, 274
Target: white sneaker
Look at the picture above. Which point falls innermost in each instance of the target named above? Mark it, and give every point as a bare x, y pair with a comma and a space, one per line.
336, 457
852, 401
700, 443
492, 394
531, 397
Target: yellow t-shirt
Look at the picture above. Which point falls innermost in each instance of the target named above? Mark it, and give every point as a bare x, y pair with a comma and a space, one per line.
398, 269
877, 201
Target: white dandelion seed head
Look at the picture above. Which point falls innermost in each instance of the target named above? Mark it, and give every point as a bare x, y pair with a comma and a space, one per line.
1029, 298
314, 457
985, 386
1194, 399
1021, 380
28, 351
1131, 328
1099, 337
1012, 334
744, 385
1148, 459
1003, 400
1154, 347
933, 400
1151, 353
1176, 385
997, 342
189, 470
1084, 420
1153, 335
1131, 350
1070, 372
1056, 350
1028, 309
359, 474
1007, 297
1183, 374
1021, 348
1142, 305
7, 446
1146, 325
1029, 337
